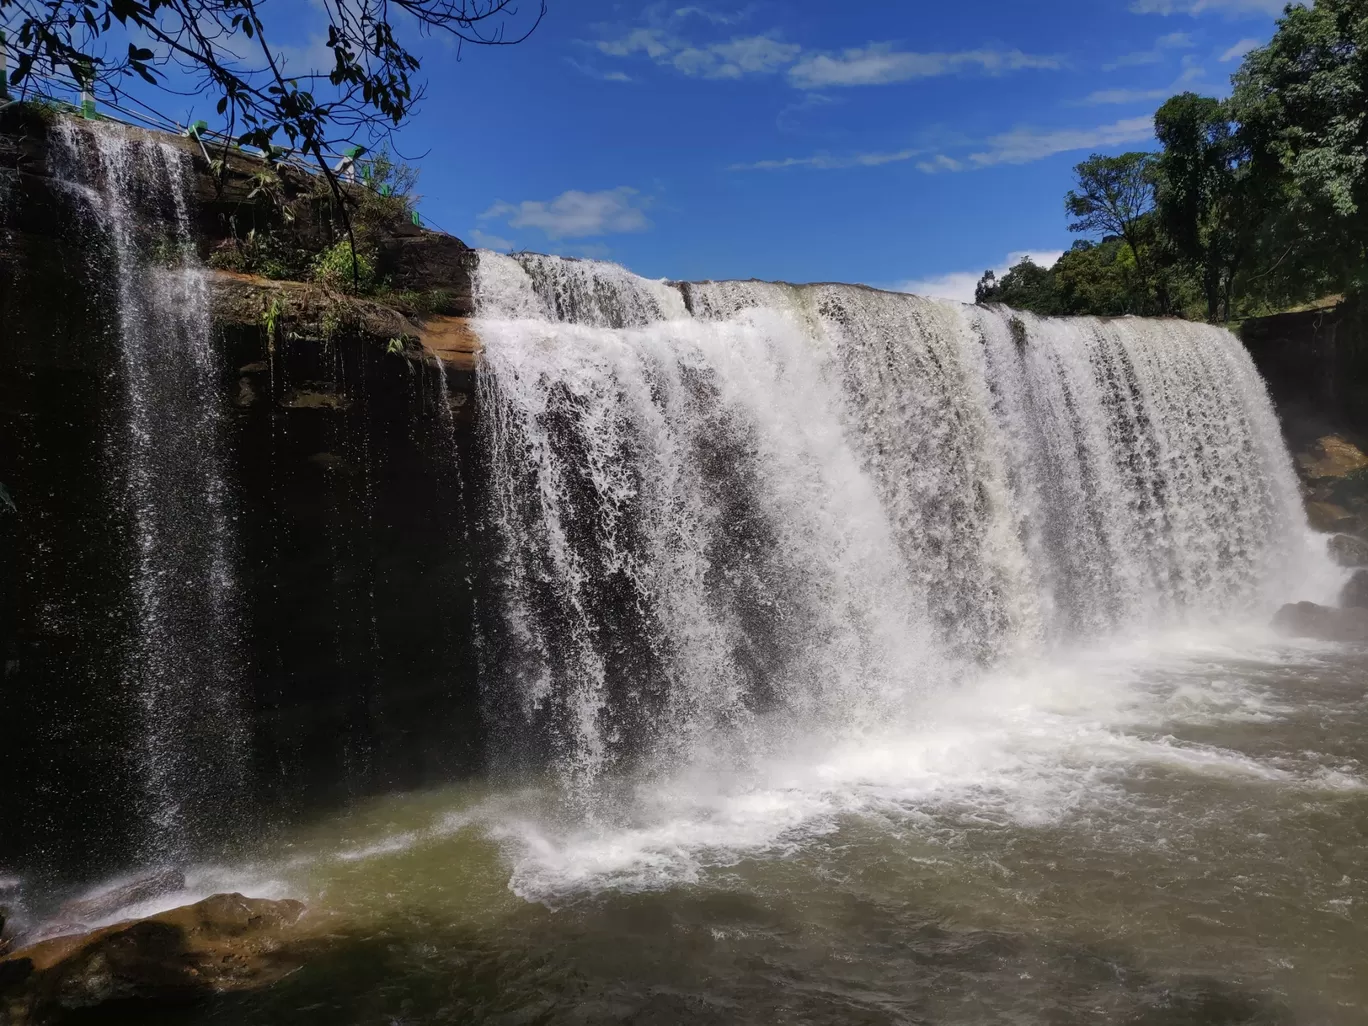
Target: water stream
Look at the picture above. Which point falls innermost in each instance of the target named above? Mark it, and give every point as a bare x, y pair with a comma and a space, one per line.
165, 458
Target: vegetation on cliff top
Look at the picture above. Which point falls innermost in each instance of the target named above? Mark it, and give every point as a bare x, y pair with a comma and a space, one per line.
1252, 204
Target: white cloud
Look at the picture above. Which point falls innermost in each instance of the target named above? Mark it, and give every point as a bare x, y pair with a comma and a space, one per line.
743, 55
1194, 7
881, 64
483, 240
1154, 55
602, 76
576, 214
1104, 96
1240, 49
1192, 72
828, 161
960, 285
940, 162
1025, 145
716, 17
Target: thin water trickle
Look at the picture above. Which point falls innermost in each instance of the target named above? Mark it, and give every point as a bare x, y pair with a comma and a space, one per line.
166, 458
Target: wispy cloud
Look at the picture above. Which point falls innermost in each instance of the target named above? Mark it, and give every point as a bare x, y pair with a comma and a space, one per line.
1027, 145
1191, 74
735, 58
483, 240
882, 64
593, 72
1240, 49
940, 162
576, 214
1229, 7
959, 285
1019, 146
829, 161
1155, 54
667, 38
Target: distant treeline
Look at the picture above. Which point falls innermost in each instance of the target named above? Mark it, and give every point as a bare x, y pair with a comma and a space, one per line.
1253, 204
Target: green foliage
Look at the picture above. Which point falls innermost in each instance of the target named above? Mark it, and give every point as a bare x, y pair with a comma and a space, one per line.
1251, 205
346, 269
1302, 105
1026, 286
263, 253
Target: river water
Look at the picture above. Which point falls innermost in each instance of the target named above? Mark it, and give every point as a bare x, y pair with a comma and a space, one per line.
1166, 832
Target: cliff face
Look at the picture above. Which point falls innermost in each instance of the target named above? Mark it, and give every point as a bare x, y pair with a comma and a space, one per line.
1316, 366
347, 453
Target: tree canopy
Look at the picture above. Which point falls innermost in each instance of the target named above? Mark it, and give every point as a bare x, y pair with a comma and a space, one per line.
1249, 205
230, 50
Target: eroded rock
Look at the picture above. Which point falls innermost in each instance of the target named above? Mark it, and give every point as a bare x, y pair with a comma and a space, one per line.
1346, 550
1309, 620
223, 943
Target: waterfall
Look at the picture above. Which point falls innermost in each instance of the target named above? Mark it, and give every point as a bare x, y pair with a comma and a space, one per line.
724, 512
166, 459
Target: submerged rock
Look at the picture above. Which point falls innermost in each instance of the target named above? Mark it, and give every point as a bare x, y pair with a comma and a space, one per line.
1355, 593
223, 943
106, 903
1346, 550
1308, 620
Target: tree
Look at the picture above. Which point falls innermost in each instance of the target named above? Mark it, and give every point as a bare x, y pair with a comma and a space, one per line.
225, 49
1113, 198
1026, 286
1204, 206
1302, 104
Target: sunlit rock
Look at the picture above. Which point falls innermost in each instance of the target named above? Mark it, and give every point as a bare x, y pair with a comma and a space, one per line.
224, 943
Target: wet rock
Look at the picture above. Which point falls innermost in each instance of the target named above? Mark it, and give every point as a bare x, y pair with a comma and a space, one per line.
1332, 456
1355, 593
1346, 550
1326, 516
106, 903
1308, 620
224, 943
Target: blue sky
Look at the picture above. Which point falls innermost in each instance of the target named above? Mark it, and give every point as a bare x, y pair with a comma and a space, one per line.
898, 144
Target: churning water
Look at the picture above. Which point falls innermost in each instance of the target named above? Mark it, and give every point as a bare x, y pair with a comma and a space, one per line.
736, 513
165, 458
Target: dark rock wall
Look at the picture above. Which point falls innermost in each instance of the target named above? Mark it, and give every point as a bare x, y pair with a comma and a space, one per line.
353, 560
1316, 366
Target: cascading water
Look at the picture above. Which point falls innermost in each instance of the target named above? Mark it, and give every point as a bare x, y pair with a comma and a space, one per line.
724, 503
165, 452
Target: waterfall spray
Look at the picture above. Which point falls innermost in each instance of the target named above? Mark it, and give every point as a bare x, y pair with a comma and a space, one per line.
167, 454
808, 505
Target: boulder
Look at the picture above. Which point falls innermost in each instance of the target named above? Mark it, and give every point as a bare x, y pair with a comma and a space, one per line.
1332, 456
224, 943
1326, 516
1308, 620
104, 904
1346, 550
1355, 594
